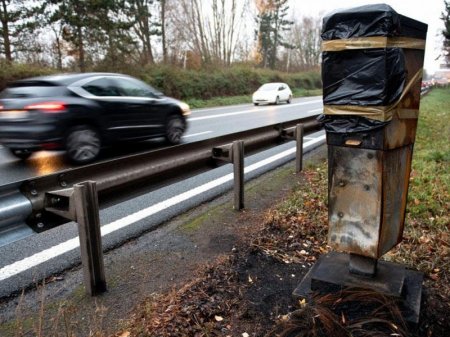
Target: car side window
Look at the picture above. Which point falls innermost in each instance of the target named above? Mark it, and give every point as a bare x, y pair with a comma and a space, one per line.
133, 88
101, 87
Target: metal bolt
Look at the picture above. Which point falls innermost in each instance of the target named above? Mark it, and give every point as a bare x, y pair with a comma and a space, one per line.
340, 214
32, 187
342, 183
40, 225
62, 182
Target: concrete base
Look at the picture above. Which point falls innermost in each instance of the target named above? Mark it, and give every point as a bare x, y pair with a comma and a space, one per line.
331, 273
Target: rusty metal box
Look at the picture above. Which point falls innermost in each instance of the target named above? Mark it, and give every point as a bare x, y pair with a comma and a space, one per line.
367, 198
370, 157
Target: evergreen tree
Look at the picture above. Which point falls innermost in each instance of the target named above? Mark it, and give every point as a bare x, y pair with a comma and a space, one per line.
273, 25
146, 18
98, 26
16, 21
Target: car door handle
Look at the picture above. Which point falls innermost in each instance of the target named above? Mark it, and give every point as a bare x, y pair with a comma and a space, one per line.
133, 105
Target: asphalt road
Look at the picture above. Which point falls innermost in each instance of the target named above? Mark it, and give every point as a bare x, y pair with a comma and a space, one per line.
40, 256
203, 124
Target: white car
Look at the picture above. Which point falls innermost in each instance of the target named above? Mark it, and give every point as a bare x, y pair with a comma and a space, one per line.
272, 93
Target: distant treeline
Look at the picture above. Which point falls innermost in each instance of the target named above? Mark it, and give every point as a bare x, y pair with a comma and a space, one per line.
190, 34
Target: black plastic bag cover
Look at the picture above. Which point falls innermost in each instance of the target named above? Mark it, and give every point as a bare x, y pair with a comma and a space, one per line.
364, 21
349, 124
363, 77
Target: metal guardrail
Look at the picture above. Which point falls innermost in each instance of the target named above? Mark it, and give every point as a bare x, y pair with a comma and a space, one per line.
23, 204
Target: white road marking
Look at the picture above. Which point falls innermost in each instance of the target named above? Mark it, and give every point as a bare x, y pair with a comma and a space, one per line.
218, 108
64, 247
250, 111
197, 134
221, 108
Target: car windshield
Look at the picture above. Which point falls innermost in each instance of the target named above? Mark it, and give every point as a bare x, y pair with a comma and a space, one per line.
31, 91
269, 86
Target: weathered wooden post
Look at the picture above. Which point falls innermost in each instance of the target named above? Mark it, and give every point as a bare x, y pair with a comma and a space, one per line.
371, 71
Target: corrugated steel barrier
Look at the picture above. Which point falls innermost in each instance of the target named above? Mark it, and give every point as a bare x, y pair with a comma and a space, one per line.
23, 204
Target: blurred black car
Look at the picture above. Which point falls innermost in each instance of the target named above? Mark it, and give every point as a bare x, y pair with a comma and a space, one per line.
81, 113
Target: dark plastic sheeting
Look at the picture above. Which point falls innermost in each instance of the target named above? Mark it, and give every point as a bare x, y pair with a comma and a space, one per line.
349, 124
370, 20
363, 77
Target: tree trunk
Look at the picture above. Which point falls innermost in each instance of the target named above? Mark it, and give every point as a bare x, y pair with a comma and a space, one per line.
163, 30
143, 30
58, 48
81, 62
5, 30
273, 57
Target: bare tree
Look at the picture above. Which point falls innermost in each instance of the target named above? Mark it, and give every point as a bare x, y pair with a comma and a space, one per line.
305, 38
226, 22
211, 28
57, 45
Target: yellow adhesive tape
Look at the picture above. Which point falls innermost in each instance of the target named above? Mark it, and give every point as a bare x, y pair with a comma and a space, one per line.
381, 113
373, 42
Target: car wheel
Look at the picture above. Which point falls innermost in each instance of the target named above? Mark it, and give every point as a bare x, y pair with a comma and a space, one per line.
82, 144
174, 129
21, 153
277, 100
289, 100
256, 104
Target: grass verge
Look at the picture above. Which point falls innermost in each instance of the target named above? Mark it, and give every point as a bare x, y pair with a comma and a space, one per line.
426, 242
233, 100
219, 301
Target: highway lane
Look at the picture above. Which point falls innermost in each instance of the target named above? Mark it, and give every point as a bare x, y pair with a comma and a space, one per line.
203, 124
56, 250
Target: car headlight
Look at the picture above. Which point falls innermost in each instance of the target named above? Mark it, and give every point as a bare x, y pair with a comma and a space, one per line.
185, 109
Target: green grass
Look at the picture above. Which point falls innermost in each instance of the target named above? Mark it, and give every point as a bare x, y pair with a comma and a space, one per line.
196, 223
427, 226
430, 178
425, 245
195, 103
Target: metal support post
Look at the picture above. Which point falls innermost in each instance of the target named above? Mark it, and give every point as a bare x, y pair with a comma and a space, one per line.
87, 217
362, 265
237, 150
299, 132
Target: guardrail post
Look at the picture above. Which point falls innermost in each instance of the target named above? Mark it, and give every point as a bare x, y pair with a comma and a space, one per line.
88, 219
237, 150
299, 132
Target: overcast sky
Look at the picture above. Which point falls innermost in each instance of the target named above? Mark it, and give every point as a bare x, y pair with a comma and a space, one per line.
427, 11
